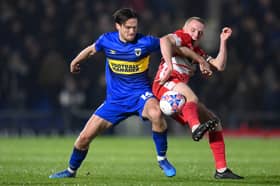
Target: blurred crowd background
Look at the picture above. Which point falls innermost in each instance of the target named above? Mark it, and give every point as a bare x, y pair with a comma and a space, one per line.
39, 38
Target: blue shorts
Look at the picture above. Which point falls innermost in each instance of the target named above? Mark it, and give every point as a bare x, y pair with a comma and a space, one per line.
116, 111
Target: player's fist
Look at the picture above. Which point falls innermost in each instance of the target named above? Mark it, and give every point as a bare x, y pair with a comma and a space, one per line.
75, 67
226, 33
205, 69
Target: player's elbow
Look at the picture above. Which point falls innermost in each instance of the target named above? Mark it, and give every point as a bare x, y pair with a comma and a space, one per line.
220, 68
218, 64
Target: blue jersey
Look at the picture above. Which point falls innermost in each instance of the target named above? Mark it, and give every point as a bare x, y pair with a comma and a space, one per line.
126, 64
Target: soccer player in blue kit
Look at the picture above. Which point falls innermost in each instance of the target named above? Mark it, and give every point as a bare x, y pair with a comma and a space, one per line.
128, 89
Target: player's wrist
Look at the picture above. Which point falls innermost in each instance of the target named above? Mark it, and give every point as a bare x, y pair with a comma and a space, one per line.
201, 60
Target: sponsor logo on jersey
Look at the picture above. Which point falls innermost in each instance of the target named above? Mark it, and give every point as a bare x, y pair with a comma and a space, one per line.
129, 67
112, 51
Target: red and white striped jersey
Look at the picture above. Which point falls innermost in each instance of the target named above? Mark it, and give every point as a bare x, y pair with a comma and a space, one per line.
183, 68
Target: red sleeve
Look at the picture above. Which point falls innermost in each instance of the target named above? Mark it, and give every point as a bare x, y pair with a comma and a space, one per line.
184, 37
199, 51
202, 53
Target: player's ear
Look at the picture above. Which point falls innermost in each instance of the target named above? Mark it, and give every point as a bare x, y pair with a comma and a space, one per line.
118, 26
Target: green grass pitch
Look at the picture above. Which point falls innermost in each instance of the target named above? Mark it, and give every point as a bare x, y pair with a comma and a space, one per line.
124, 161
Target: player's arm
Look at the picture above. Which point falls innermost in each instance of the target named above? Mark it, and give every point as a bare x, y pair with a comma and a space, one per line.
166, 44
203, 64
82, 56
220, 61
187, 52
169, 45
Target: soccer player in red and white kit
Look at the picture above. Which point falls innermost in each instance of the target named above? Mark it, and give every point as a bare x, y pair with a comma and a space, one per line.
181, 54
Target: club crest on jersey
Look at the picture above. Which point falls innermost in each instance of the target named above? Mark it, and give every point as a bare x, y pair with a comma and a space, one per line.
137, 51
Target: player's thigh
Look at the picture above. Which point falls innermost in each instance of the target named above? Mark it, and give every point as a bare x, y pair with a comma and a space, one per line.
94, 126
186, 91
151, 109
153, 113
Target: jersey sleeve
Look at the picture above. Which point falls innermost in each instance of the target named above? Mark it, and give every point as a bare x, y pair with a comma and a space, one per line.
99, 43
181, 38
203, 54
153, 43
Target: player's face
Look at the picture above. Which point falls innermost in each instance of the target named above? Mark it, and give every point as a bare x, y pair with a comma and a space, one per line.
195, 29
128, 30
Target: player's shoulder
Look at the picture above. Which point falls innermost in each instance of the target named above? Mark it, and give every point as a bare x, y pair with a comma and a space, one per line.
181, 33
105, 39
142, 38
109, 35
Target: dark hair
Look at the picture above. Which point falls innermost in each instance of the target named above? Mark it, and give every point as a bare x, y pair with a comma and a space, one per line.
122, 15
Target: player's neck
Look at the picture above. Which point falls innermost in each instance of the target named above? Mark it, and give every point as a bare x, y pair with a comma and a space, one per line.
194, 43
122, 40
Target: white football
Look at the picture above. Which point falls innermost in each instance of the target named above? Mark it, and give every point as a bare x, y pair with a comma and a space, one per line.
171, 102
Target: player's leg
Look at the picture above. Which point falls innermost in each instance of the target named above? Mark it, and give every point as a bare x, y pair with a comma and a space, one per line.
190, 107
216, 140
190, 114
217, 145
93, 127
159, 129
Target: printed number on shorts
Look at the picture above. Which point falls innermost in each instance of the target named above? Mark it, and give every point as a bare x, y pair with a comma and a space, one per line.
146, 95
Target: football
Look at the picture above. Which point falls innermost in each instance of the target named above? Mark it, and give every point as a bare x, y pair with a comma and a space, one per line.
171, 102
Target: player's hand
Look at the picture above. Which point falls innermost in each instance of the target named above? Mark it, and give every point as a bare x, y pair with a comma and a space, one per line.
205, 69
226, 33
164, 76
75, 68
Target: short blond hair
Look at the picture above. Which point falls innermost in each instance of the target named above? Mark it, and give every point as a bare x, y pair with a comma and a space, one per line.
199, 19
